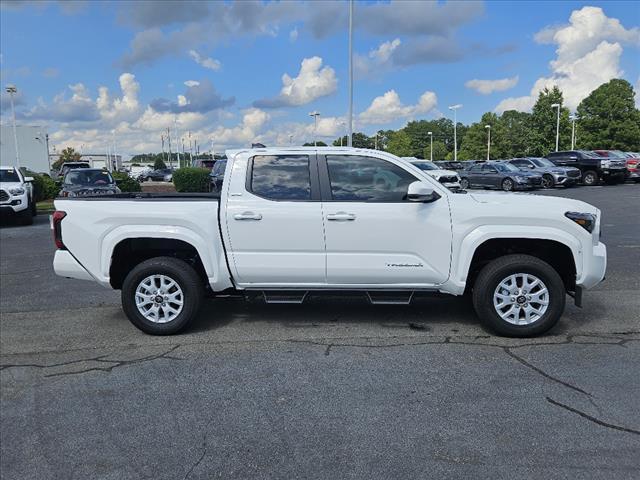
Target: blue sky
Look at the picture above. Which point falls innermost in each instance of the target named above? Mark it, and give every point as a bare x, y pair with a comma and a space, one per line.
94, 71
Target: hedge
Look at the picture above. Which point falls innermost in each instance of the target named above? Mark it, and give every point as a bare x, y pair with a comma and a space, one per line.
44, 187
191, 179
125, 182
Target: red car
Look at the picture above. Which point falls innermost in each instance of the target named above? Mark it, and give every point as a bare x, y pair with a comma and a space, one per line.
632, 160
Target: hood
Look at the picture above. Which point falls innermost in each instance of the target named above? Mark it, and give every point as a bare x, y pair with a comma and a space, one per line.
8, 185
531, 201
440, 173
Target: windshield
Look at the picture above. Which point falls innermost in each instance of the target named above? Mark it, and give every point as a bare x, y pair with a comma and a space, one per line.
9, 176
588, 154
426, 165
88, 177
616, 154
505, 167
542, 162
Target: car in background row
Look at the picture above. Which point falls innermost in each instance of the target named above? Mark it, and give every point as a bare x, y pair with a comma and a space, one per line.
447, 165
88, 182
500, 175
594, 168
160, 175
448, 178
67, 166
216, 177
631, 160
16, 195
552, 175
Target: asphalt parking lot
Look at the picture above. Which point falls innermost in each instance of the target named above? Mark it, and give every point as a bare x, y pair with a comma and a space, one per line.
334, 388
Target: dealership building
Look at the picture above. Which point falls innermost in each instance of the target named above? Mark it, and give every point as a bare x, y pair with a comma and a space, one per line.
32, 147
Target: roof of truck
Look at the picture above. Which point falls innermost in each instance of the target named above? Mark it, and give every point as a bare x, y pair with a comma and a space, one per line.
291, 149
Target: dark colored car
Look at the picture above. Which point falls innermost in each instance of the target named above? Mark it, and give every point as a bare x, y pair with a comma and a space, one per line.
88, 181
501, 175
594, 168
631, 161
552, 175
155, 175
217, 175
67, 166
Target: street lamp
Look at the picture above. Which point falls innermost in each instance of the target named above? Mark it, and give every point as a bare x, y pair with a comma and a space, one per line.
290, 139
349, 138
315, 114
431, 143
488, 127
455, 130
573, 118
557, 105
12, 90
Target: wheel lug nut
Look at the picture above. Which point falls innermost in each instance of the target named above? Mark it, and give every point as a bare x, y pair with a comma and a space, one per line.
513, 299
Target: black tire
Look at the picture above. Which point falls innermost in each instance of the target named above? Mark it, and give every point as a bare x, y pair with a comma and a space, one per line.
34, 209
183, 275
590, 178
25, 216
548, 181
495, 272
464, 184
507, 185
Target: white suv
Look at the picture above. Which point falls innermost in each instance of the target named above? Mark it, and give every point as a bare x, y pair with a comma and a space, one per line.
16, 194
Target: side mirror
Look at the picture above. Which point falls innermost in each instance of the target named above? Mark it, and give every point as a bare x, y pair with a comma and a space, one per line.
421, 192
28, 179
532, 167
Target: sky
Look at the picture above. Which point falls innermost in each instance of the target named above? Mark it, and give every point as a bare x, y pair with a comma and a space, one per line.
104, 75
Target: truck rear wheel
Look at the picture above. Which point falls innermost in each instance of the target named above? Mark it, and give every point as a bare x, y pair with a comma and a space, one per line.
519, 296
590, 178
162, 295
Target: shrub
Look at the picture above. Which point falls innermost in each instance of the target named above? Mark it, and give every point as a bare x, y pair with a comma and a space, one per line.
125, 182
44, 187
191, 179
159, 164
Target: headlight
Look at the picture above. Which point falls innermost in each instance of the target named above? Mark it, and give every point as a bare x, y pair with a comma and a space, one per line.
585, 220
605, 163
521, 179
16, 191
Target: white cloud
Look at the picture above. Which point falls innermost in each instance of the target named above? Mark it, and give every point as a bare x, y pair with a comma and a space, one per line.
313, 81
486, 87
206, 62
125, 107
388, 108
245, 133
293, 35
378, 58
588, 55
154, 121
192, 83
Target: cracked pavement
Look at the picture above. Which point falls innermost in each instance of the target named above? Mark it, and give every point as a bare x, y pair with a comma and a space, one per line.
334, 388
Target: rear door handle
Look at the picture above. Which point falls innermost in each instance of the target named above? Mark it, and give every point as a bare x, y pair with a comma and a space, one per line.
341, 217
247, 216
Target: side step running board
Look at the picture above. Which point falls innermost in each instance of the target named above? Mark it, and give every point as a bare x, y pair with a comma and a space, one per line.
390, 298
284, 297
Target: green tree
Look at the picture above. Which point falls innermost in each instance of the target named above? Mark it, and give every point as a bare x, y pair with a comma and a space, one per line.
359, 140
159, 164
608, 118
512, 133
439, 151
67, 155
400, 144
317, 144
542, 135
474, 144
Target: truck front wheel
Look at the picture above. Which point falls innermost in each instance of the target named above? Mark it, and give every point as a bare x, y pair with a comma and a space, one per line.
162, 295
519, 296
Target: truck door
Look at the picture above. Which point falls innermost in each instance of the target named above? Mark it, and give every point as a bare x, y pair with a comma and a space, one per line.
273, 217
374, 235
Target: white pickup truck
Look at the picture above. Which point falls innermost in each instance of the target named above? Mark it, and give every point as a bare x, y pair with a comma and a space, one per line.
293, 221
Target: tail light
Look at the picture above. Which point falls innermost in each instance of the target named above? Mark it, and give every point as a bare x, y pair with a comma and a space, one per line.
56, 228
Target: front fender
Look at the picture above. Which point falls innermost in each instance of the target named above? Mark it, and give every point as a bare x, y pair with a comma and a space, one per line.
468, 245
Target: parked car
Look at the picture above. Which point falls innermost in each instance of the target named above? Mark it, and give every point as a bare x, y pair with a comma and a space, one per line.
630, 160
62, 171
365, 221
552, 175
160, 175
446, 165
216, 177
448, 178
88, 182
594, 168
16, 195
501, 175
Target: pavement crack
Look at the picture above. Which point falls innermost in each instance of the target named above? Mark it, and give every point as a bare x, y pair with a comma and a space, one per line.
595, 420
204, 451
543, 373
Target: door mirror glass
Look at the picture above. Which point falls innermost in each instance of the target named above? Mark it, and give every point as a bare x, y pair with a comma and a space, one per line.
421, 192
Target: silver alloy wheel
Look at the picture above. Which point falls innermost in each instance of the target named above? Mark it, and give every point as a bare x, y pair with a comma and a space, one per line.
507, 185
464, 184
589, 179
159, 298
547, 181
521, 299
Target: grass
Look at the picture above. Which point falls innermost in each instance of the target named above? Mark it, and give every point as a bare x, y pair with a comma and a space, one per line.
45, 206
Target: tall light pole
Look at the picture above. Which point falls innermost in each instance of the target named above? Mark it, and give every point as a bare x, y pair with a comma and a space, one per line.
349, 138
315, 114
557, 105
573, 118
488, 127
455, 130
431, 143
12, 90
290, 139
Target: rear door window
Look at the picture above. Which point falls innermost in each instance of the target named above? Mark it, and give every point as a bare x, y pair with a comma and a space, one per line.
280, 177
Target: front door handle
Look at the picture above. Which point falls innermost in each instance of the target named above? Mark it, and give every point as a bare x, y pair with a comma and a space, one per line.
247, 216
341, 217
